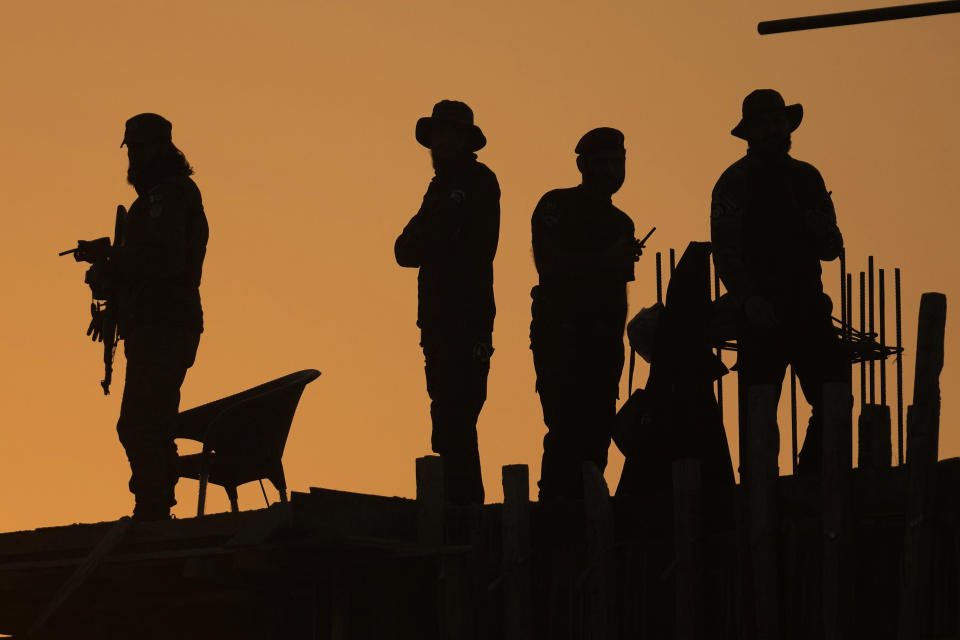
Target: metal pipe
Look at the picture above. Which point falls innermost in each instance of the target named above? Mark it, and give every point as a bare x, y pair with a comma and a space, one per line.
896, 283
793, 418
858, 17
883, 342
873, 382
659, 278
673, 261
863, 363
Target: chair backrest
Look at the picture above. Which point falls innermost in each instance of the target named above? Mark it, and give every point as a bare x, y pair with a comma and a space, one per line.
251, 426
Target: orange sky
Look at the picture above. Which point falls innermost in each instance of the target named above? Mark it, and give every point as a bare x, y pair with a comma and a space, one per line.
299, 118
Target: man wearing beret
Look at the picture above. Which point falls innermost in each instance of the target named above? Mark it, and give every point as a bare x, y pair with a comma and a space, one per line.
158, 261
772, 222
584, 249
452, 240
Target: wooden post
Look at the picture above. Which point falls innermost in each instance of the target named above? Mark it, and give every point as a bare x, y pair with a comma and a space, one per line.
763, 443
837, 451
430, 500
926, 384
923, 425
598, 514
874, 449
517, 587
686, 535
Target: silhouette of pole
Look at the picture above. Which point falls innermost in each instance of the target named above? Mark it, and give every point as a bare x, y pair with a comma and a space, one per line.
659, 277
896, 284
863, 16
863, 332
716, 296
883, 342
873, 382
793, 418
843, 295
673, 261
849, 306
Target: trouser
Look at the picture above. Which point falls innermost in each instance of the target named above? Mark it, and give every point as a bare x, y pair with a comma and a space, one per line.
157, 362
578, 379
457, 385
806, 340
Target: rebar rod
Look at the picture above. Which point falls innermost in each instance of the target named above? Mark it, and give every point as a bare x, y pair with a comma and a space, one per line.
883, 341
873, 382
659, 278
793, 418
843, 295
896, 282
863, 362
716, 296
849, 307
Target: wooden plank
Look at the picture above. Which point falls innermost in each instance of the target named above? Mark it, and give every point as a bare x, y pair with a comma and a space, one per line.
80, 575
923, 425
763, 442
517, 585
601, 578
837, 407
687, 519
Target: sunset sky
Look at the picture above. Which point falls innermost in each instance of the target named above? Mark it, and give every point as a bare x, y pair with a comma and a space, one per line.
299, 119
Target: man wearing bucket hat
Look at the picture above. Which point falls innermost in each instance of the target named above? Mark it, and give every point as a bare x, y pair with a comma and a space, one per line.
772, 223
584, 249
452, 240
158, 261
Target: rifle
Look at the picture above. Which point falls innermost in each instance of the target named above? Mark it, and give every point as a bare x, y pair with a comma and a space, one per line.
101, 277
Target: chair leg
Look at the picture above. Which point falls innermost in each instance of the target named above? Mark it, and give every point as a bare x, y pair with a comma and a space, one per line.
202, 497
279, 482
232, 494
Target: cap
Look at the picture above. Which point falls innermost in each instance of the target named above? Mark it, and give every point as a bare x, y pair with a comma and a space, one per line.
147, 128
602, 139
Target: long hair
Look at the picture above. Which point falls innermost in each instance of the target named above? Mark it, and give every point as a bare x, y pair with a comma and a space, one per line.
171, 162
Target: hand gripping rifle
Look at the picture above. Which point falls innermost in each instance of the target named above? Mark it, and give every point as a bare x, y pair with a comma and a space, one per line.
101, 277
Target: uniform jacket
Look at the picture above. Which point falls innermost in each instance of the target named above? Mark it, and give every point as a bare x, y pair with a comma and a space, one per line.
569, 227
453, 239
160, 257
772, 222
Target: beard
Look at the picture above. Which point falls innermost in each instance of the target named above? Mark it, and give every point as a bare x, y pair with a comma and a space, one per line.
145, 173
772, 146
602, 183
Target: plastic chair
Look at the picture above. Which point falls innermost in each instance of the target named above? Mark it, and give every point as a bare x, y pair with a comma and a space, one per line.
243, 436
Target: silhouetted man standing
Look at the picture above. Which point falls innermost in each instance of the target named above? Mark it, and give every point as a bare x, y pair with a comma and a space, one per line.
157, 261
452, 240
584, 249
772, 222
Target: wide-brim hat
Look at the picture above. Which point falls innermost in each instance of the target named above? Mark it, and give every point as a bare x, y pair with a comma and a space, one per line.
451, 112
764, 101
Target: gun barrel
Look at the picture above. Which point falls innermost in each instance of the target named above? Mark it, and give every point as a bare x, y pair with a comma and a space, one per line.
67, 252
647, 237
859, 17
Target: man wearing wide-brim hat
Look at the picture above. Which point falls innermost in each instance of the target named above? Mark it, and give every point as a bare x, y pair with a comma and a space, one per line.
772, 223
452, 240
